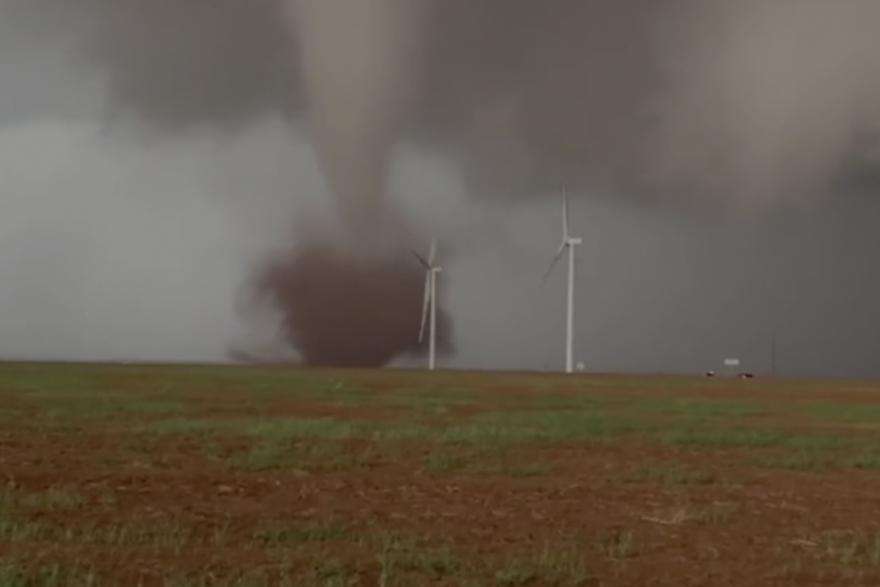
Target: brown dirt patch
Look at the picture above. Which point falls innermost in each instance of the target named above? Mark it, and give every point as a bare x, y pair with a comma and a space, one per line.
186, 512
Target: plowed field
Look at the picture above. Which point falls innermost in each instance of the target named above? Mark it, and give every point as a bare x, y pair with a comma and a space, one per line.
196, 476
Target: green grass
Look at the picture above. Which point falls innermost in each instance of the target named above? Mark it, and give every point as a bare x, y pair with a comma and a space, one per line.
399, 559
168, 399
729, 437
285, 534
535, 427
563, 566
560, 418
845, 548
867, 459
311, 456
55, 498
700, 408
398, 564
433, 397
498, 428
164, 535
843, 413
619, 543
508, 428
50, 576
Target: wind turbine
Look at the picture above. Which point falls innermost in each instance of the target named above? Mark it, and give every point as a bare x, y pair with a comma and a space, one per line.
429, 306
568, 242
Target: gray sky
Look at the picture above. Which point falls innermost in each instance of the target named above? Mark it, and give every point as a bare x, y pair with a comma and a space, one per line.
117, 249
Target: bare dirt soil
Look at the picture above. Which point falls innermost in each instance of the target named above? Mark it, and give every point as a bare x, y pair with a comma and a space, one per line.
119, 488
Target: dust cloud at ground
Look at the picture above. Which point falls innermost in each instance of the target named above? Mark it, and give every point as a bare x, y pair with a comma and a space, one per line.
339, 309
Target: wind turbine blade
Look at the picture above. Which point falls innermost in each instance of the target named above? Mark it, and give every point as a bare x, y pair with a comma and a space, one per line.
553, 263
432, 255
425, 306
421, 260
564, 214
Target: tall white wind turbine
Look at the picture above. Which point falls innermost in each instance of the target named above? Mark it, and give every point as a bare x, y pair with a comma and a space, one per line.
568, 242
429, 307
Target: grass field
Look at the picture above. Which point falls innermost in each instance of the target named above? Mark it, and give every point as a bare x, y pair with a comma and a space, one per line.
247, 477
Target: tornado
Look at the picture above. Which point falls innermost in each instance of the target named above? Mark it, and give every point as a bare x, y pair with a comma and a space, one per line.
355, 300
359, 64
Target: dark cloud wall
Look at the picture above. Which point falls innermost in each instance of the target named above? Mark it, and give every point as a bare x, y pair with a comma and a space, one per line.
754, 100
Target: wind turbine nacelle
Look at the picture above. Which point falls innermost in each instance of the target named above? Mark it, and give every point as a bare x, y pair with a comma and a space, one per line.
574, 241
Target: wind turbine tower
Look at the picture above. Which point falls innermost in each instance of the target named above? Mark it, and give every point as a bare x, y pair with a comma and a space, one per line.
429, 306
568, 243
